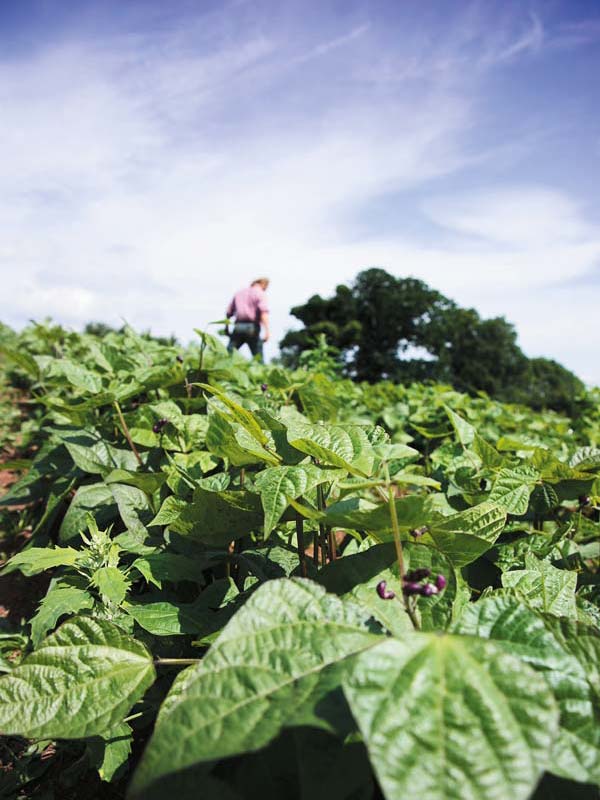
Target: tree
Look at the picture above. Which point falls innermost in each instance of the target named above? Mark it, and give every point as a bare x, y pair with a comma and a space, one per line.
379, 320
369, 322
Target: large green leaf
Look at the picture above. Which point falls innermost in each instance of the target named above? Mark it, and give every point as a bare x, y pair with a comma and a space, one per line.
277, 485
512, 488
239, 414
231, 440
568, 655
95, 498
38, 559
60, 599
452, 718
465, 432
544, 586
82, 680
134, 508
345, 446
359, 514
109, 753
111, 583
92, 454
162, 616
272, 666
217, 518
465, 536
173, 567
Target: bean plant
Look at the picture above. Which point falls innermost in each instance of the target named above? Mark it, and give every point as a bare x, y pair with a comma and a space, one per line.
265, 583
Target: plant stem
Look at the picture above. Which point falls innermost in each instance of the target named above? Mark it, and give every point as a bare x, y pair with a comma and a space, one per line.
301, 546
175, 662
398, 545
127, 434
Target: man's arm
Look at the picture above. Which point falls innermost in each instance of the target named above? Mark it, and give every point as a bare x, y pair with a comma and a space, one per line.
264, 319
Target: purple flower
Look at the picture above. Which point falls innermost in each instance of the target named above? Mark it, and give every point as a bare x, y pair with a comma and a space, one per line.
418, 574
584, 500
180, 359
411, 587
441, 583
416, 532
264, 387
428, 589
384, 592
159, 425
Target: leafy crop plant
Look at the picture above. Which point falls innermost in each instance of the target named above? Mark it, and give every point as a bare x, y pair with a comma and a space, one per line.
263, 583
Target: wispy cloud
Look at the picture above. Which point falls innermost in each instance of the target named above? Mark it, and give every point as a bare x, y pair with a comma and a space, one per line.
148, 172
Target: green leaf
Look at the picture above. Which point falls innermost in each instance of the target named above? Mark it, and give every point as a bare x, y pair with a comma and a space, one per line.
231, 440
344, 446
80, 377
277, 485
169, 512
134, 508
111, 583
586, 458
109, 753
465, 432
95, 498
148, 482
206, 615
218, 518
39, 559
60, 599
272, 666
544, 586
465, 536
451, 717
81, 681
167, 617
512, 488
490, 457
239, 414
92, 454
173, 567
568, 656
358, 514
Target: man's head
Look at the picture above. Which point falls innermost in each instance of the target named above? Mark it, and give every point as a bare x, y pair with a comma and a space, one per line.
262, 282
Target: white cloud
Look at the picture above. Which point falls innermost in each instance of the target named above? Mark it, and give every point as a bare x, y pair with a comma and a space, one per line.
147, 178
521, 216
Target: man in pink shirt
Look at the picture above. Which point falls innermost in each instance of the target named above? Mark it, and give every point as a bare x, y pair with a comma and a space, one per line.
249, 307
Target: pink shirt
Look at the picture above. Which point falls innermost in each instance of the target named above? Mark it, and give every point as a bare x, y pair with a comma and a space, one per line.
248, 304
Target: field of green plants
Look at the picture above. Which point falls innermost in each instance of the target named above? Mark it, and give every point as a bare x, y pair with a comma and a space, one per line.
228, 580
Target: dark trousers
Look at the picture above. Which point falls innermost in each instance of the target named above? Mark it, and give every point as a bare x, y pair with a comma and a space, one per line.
246, 333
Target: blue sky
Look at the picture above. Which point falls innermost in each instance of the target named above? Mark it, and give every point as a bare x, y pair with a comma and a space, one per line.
157, 156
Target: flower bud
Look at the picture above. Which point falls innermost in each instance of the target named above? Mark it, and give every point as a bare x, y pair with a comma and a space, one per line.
416, 532
264, 387
180, 359
441, 583
428, 589
384, 592
411, 587
418, 574
159, 425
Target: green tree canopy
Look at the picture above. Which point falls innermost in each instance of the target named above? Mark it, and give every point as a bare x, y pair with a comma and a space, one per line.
404, 330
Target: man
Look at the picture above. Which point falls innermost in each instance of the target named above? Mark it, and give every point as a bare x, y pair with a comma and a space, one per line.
249, 307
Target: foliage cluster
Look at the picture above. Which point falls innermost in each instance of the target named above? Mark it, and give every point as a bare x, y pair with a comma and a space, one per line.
403, 330
268, 583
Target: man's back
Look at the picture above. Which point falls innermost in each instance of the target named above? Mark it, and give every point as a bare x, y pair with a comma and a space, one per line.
248, 304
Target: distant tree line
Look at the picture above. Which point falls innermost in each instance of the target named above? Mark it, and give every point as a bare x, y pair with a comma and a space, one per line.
400, 329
